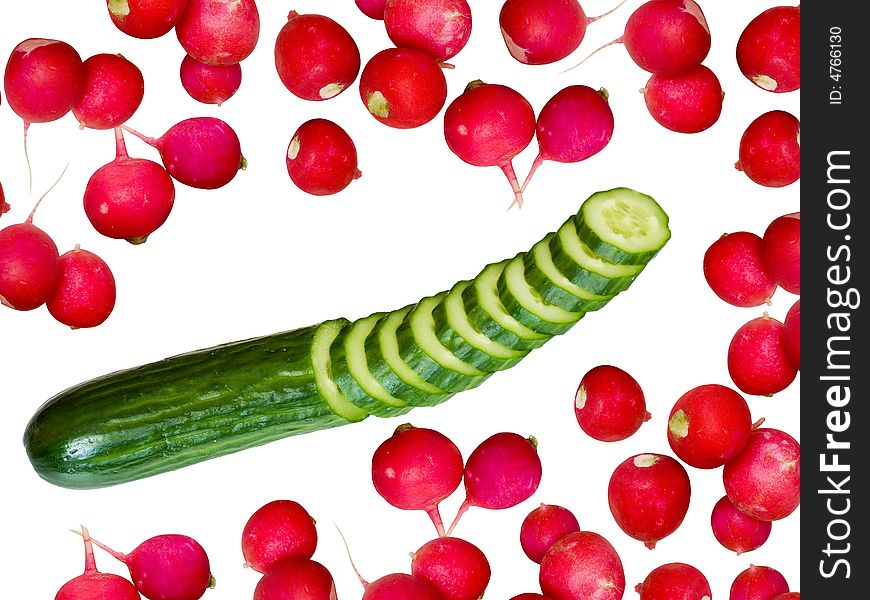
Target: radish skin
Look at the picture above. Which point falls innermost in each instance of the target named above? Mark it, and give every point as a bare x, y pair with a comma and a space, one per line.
769, 49
609, 404
113, 90
457, 569
145, 19
322, 158
543, 527
758, 583
440, 28
219, 32
770, 149
735, 270
85, 292
209, 84
278, 530
675, 581
94, 585
582, 564
29, 266
757, 359
296, 579
690, 102
737, 531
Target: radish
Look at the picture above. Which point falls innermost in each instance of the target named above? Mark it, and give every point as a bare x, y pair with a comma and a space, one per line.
167, 567
758, 583
649, 496
403, 87
219, 32
488, 125
281, 529
440, 28
374, 9
29, 266
609, 404
735, 270
582, 564
503, 471
690, 102
145, 19
709, 425
737, 531
540, 32
113, 90
416, 469
757, 360
209, 84
781, 251
788, 596
457, 569
94, 585
202, 152
764, 480
316, 57
770, 149
4, 206
575, 124
769, 49
128, 198
85, 293
791, 334
543, 527
321, 158
399, 586
674, 581
666, 37
296, 579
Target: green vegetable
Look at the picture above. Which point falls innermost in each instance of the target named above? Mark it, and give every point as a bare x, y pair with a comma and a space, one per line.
192, 407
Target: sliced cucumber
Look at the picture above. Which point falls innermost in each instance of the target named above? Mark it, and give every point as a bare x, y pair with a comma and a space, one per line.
524, 303
457, 334
353, 376
322, 366
553, 286
421, 350
623, 226
583, 268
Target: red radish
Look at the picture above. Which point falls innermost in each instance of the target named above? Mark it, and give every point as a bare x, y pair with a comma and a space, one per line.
219, 32
501, 472
29, 266
278, 530
167, 567
530, 596
674, 581
649, 496
488, 125
316, 57
769, 49
791, 334
609, 404
788, 596
113, 90
440, 28
573, 125
145, 19
4, 206
374, 9
770, 149
736, 531
764, 480
582, 565
296, 579
781, 251
321, 158
758, 583
667, 37
545, 526
85, 293
708, 426
690, 102
210, 84
402, 87
416, 469
757, 360
94, 585
399, 586
734, 269
128, 198
202, 152
457, 569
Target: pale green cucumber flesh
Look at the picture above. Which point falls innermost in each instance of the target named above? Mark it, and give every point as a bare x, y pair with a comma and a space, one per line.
321, 361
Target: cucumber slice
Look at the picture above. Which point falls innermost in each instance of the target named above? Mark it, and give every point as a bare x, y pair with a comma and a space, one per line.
583, 268
355, 379
457, 334
553, 286
322, 366
525, 304
387, 366
623, 226
487, 314
420, 348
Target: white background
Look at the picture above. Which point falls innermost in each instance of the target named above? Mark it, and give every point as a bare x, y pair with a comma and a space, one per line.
259, 256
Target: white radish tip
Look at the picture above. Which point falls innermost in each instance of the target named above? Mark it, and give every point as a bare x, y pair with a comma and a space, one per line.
580, 398
679, 424
333, 89
119, 8
765, 82
645, 460
378, 105
293, 148
693, 9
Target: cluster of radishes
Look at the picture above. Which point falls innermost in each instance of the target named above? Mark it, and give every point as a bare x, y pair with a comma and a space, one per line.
164, 567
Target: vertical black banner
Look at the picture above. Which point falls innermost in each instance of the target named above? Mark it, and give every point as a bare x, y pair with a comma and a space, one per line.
834, 371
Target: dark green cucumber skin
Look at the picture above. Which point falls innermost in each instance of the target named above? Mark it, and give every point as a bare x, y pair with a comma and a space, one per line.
552, 293
579, 275
178, 411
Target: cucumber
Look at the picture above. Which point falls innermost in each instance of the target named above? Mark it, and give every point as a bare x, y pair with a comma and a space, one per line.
192, 407
623, 226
